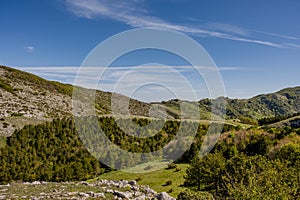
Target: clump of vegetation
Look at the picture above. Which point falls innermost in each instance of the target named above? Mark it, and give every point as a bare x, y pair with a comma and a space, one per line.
172, 166
6, 86
195, 195
5, 125
248, 120
169, 182
17, 114
138, 179
170, 190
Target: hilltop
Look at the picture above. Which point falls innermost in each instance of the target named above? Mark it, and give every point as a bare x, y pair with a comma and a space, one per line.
28, 99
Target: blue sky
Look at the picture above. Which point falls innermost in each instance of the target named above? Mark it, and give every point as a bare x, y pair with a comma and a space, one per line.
255, 44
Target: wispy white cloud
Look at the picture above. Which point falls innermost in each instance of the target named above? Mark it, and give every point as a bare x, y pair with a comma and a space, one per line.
234, 68
228, 28
262, 42
292, 45
156, 68
133, 14
279, 35
30, 49
149, 78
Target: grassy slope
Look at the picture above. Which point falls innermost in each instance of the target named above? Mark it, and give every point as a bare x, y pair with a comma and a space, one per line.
155, 180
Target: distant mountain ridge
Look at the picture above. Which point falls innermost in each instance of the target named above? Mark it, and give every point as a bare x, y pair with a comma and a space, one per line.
282, 103
28, 99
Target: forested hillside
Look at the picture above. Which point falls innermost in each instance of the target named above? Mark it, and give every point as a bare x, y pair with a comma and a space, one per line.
281, 103
248, 164
54, 152
245, 164
48, 152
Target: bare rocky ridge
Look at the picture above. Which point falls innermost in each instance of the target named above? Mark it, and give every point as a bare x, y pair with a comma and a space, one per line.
29, 99
25, 102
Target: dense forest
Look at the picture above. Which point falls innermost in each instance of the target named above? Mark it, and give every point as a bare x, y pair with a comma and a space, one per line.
48, 152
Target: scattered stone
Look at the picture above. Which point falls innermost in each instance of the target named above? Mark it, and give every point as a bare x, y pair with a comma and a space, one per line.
130, 191
148, 190
98, 195
142, 197
82, 194
109, 191
164, 196
133, 182
121, 194
84, 183
135, 188
36, 183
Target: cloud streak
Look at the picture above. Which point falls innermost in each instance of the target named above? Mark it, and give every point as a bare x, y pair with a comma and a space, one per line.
279, 35
171, 78
29, 49
132, 13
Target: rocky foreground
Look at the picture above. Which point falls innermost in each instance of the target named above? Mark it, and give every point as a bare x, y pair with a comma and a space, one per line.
101, 189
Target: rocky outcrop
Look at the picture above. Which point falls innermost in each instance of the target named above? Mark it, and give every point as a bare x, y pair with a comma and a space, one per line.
101, 189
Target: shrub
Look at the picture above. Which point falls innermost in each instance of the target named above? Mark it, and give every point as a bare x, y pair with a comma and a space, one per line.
177, 169
168, 183
17, 114
194, 195
172, 166
170, 190
138, 179
6, 86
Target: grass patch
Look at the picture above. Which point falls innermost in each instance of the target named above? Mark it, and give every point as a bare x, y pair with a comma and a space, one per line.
17, 114
155, 179
2, 141
6, 86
